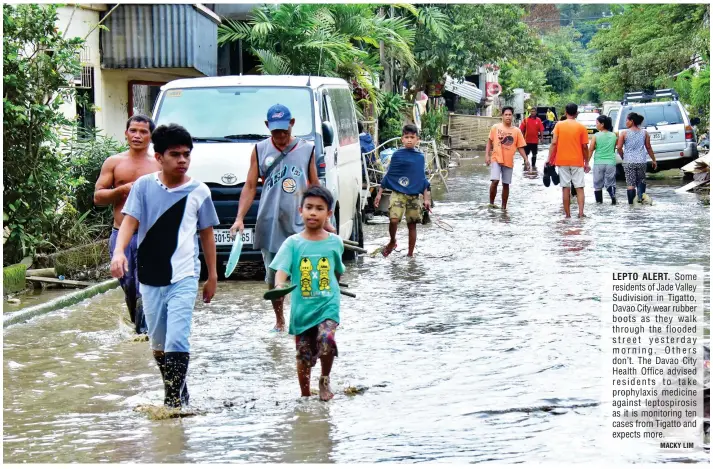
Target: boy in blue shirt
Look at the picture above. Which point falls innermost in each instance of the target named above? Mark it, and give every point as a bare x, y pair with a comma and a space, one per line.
313, 261
167, 208
406, 178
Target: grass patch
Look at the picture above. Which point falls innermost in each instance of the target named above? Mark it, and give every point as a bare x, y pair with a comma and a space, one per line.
13, 278
668, 174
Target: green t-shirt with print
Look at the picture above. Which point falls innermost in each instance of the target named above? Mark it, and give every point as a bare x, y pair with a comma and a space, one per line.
313, 266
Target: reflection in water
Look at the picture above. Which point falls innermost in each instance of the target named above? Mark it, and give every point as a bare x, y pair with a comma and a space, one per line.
484, 347
309, 435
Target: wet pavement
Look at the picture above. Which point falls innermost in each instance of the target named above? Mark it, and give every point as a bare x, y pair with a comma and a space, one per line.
485, 347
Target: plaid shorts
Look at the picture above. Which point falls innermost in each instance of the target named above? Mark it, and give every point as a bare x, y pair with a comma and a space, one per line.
316, 342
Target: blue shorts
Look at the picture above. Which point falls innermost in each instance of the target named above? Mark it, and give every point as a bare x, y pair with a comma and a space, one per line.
169, 311
267, 258
130, 281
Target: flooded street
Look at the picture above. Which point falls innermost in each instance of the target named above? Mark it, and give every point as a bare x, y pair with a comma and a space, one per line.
485, 347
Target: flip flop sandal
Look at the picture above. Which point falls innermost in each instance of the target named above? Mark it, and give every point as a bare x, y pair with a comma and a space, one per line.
546, 176
277, 293
385, 252
555, 177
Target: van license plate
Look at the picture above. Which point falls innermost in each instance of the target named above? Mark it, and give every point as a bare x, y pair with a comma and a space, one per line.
223, 238
656, 136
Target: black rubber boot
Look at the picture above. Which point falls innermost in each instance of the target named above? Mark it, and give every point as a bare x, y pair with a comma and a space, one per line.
534, 160
631, 195
161, 362
598, 196
175, 379
612, 194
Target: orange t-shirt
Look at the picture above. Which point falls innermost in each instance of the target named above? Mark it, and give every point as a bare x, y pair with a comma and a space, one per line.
506, 141
571, 135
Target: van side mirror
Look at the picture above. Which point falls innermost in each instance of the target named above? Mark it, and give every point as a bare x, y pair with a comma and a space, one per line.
327, 133
695, 121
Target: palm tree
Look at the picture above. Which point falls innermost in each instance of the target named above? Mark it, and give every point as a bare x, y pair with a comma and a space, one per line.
340, 40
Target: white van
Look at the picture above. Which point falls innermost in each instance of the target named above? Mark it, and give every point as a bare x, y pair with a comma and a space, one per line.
226, 117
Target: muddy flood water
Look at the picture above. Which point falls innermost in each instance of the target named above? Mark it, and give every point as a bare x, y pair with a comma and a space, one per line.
484, 347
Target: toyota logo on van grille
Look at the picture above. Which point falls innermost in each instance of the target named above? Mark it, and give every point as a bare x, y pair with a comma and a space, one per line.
229, 178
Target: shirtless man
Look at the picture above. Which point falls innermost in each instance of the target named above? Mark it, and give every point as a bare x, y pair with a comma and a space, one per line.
118, 174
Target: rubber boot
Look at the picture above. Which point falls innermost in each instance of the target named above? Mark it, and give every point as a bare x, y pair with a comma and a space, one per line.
598, 196
534, 160
612, 194
641, 187
175, 378
631, 195
161, 362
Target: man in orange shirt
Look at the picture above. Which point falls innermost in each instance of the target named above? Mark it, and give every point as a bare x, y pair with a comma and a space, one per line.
569, 143
504, 141
532, 128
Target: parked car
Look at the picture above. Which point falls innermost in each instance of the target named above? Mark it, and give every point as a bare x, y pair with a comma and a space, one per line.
589, 120
673, 138
226, 117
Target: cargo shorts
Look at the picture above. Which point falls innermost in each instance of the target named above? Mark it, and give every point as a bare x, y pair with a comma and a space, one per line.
410, 206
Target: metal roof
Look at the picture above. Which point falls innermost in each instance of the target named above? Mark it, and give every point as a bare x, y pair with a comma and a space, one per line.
253, 80
160, 36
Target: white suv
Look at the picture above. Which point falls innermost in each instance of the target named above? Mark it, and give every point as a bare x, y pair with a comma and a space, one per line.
672, 136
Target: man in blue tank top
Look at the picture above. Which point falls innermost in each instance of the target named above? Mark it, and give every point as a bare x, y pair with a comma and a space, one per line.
287, 167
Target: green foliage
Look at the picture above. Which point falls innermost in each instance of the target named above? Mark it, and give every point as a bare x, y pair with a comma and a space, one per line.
393, 106
340, 40
13, 278
37, 62
649, 42
86, 157
467, 37
432, 124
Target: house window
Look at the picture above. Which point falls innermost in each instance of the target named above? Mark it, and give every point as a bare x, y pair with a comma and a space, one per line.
84, 85
142, 97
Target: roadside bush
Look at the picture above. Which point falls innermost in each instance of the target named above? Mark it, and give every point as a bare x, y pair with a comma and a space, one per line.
85, 158
37, 65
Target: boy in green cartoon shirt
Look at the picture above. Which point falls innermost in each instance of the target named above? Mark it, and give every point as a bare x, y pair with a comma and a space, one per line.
313, 261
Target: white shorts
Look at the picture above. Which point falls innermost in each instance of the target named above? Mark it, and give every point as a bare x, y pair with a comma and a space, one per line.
497, 171
571, 174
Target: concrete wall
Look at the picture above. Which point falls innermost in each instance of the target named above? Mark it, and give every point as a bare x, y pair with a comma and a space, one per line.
78, 21
111, 87
116, 93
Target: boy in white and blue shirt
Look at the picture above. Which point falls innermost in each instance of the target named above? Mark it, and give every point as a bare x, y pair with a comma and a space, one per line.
169, 209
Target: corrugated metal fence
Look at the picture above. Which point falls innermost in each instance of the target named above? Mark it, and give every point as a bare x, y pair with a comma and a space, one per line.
469, 132
160, 36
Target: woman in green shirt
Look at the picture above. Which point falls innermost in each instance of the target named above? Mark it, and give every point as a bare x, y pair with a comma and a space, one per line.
602, 148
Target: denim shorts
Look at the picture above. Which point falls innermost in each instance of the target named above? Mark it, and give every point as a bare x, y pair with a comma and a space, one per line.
267, 258
169, 312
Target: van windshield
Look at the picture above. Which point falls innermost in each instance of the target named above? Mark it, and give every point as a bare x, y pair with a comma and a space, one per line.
655, 114
234, 112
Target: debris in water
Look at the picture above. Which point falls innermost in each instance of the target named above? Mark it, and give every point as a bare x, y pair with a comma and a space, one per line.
354, 390
141, 338
156, 412
228, 404
13, 301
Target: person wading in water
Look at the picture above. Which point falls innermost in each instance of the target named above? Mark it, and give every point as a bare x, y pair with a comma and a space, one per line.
288, 168
118, 174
